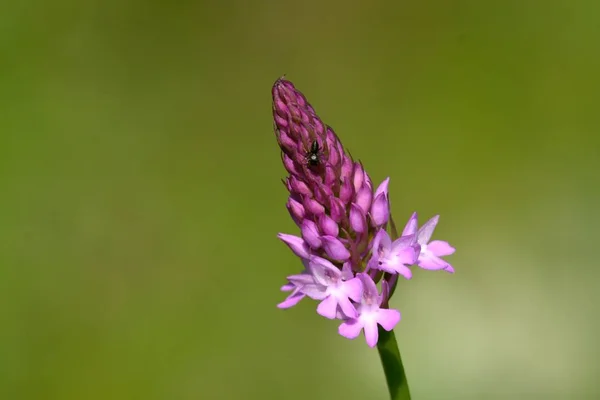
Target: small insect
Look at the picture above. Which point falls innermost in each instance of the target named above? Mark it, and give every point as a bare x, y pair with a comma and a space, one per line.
313, 156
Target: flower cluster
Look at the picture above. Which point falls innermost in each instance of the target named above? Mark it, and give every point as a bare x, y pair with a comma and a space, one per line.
344, 244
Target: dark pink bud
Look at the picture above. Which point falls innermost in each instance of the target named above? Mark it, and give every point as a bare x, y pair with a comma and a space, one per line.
313, 206
358, 176
294, 112
328, 225
281, 109
347, 168
289, 164
331, 137
330, 175
305, 117
299, 187
296, 210
285, 141
358, 220
319, 127
335, 248
380, 211
334, 156
322, 193
363, 198
280, 121
305, 134
336, 209
296, 244
346, 191
310, 234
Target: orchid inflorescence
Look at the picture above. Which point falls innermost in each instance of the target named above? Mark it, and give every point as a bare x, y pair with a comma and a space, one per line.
344, 244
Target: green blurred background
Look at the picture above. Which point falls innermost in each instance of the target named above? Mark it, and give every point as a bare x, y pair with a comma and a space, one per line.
140, 195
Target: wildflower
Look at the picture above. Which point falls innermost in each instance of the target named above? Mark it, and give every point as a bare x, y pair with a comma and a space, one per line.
331, 289
394, 257
344, 245
430, 252
370, 314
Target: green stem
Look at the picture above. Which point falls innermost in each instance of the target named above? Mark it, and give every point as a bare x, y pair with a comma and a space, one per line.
392, 365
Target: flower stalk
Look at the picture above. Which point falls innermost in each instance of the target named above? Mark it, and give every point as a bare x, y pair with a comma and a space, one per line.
392, 366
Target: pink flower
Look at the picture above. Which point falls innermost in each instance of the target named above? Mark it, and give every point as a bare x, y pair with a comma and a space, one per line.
394, 257
344, 242
431, 252
321, 280
369, 313
331, 288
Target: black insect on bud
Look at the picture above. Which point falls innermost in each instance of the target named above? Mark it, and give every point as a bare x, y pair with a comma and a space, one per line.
313, 157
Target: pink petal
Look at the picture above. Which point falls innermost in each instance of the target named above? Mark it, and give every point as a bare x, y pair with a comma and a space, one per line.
385, 266
328, 307
382, 241
350, 329
371, 334
404, 271
388, 318
402, 243
353, 289
324, 272
411, 226
440, 248
347, 307
335, 248
315, 292
431, 262
426, 230
287, 287
347, 273
291, 300
449, 268
300, 280
369, 288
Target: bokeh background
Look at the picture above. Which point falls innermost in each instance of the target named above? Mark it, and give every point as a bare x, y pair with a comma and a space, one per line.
140, 195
